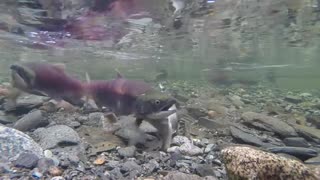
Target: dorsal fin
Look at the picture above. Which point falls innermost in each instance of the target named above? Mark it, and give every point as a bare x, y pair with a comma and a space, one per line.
119, 75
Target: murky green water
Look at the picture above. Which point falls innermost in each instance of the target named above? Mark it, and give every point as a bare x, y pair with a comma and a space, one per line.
248, 41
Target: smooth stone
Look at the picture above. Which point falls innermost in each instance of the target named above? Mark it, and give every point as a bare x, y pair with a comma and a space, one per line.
209, 148
296, 142
293, 99
13, 143
246, 138
269, 123
249, 163
7, 119
309, 133
299, 152
58, 178
26, 160
127, 151
58, 135
31, 121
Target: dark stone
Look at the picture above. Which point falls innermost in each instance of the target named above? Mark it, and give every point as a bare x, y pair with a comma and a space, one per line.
130, 166
293, 99
299, 152
296, 142
27, 160
112, 164
204, 170
246, 138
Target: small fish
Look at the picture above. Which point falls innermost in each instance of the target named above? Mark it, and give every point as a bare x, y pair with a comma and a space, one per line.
46, 79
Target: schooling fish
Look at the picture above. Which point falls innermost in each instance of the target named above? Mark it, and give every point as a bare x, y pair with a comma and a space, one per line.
125, 96
47, 80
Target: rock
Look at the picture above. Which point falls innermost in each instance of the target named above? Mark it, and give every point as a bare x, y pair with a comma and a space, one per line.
44, 164
190, 149
31, 121
151, 166
36, 174
130, 166
243, 137
204, 170
296, 142
95, 119
179, 140
309, 133
197, 111
299, 152
58, 135
236, 100
55, 171
7, 119
58, 178
314, 119
219, 109
209, 148
127, 151
173, 149
269, 123
14, 143
112, 164
314, 161
27, 160
100, 160
211, 123
182, 176
293, 99
249, 163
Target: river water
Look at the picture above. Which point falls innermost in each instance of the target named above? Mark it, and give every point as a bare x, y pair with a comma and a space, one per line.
224, 41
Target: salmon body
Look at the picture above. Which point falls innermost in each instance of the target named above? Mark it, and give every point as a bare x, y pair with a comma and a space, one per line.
47, 80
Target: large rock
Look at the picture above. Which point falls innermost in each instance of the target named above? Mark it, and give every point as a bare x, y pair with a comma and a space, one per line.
269, 123
13, 143
58, 135
309, 133
31, 121
249, 163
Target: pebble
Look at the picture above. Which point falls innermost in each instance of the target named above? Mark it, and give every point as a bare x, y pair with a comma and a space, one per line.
204, 170
100, 160
27, 160
55, 171
130, 166
48, 154
58, 178
299, 152
112, 164
179, 140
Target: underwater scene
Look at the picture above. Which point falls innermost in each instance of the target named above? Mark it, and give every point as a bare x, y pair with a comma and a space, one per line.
159, 89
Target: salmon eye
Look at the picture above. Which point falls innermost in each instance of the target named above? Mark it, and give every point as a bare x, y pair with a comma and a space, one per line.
157, 102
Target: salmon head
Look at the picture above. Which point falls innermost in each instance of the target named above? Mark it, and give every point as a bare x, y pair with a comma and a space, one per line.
154, 104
